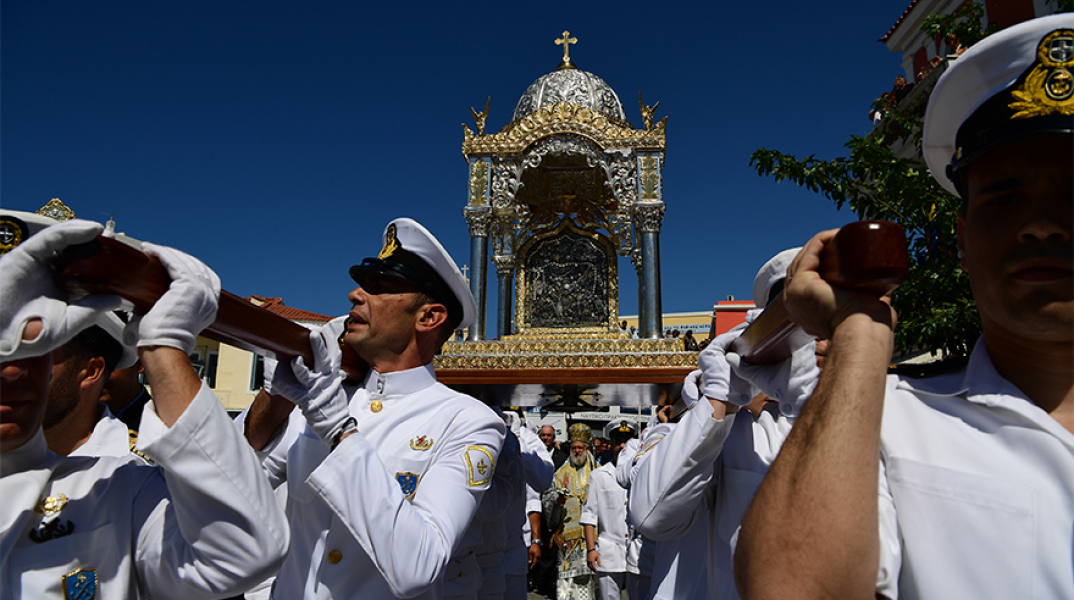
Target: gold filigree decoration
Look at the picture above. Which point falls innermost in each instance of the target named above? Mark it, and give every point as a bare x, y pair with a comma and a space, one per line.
478, 182
56, 209
565, 354
1049, 87
650, 178
522, 326
514, 346
563, 117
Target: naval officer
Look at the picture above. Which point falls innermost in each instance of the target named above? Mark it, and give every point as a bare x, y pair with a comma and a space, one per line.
204, 525
387, 470
960, 485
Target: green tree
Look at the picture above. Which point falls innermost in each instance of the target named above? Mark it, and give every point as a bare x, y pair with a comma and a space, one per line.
936, 310
964, 24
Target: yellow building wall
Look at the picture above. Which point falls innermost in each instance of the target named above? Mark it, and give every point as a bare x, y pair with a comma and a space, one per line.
233, 370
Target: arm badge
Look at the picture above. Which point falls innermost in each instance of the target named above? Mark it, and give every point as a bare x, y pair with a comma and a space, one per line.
80, 585
408, 482
480, 465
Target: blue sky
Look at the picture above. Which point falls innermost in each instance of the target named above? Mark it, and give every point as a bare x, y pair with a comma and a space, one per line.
274, 140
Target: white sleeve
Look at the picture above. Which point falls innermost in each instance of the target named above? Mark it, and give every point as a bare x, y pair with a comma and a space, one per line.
887, 577
627, 467
675, 472
412, 547
273, 456
211, 525
533, 501
508, 482
589, 507
535, 460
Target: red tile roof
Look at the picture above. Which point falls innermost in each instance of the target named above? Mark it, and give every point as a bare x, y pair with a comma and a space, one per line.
275, 305
899, 22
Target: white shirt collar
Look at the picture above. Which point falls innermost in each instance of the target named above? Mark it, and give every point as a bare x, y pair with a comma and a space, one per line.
27, 456
399, 382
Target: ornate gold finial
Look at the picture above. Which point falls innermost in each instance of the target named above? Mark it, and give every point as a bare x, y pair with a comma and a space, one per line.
647, 113
480, 117
566, 42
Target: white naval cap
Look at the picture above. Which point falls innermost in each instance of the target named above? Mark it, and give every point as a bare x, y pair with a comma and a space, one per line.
17, 226
624, 428
110, 322
1012, 85
769, 280
414, 255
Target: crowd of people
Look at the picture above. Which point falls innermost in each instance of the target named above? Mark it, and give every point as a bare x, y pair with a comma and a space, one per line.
819, 476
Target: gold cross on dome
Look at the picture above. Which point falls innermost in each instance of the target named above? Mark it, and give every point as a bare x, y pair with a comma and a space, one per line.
566, 42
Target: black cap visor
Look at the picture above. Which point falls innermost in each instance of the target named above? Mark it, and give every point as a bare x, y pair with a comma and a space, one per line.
406, 266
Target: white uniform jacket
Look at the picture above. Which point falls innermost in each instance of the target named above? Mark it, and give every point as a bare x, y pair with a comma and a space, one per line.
110, 437
537, 471
706, 469
976, 490
381, 514
678, 568
605, 509
203, 525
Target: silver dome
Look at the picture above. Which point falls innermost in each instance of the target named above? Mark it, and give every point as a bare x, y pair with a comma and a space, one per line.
574, 86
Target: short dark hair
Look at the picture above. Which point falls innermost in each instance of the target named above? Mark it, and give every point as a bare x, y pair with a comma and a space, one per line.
96, 342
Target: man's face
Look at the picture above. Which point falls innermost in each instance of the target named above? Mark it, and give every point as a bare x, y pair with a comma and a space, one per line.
547, 435
63, 391
578, 451
122, 387
382, 319
1015, 239
23, 397
617, 445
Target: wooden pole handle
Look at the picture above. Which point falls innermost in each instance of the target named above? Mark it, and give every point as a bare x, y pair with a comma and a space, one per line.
107, 266
868, 255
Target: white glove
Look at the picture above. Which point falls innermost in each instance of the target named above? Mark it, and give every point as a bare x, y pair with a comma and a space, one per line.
28, 292
187, 308
718, 381
790, 381
318, 393
691, 388
269, 373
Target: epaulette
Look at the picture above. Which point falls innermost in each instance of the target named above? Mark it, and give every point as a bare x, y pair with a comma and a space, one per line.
132, 436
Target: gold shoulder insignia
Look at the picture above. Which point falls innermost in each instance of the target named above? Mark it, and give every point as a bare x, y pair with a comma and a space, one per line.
480, 465
132, 436
50, 505
391, 244
422, 442
1049, 87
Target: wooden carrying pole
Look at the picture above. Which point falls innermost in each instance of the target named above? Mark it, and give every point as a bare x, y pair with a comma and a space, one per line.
868, 255
106, 266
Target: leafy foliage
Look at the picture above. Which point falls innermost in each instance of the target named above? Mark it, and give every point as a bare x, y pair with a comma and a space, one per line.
964, 24
936, 310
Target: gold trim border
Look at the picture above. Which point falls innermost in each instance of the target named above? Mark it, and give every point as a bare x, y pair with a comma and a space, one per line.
559, 118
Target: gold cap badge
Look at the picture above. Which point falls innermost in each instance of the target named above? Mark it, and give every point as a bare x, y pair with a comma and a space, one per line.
1049, 88
391, 243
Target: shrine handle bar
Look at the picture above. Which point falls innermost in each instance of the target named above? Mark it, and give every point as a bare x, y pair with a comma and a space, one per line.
868, 255
107, 266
